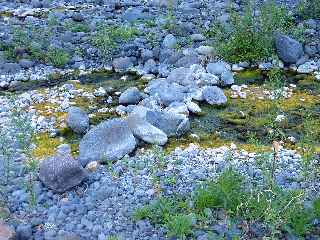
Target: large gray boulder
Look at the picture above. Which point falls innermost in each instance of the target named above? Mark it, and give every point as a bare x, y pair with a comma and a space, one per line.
77, 120
170, 123
289, 50
130, 96
110, 140
61, 172
143, 130
214, 95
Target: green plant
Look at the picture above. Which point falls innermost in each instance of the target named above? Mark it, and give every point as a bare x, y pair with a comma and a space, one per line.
179, 226
76, 27
309, 9
249, 37
276, 79
113, 237
58, 57
18, 134
226, 192
107, 38
316, 207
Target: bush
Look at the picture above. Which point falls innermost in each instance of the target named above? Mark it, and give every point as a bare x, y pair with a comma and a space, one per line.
180, 226
58, 57
250, 36
107, 38
226, 192
309, 9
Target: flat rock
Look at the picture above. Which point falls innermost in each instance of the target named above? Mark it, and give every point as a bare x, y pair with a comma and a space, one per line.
108, 141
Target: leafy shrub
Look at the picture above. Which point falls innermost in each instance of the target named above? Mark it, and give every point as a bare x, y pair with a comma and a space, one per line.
179, 226
226, 192
250, 36
76, 27
107, 38
310, 9
58, 57
316, 207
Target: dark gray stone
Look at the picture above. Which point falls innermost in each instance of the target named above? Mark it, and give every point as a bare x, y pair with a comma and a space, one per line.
61, 172
289, 50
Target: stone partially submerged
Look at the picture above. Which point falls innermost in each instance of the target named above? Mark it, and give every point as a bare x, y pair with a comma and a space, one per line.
61, 172
110, 140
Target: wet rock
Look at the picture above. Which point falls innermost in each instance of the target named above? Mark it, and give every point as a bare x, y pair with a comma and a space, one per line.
130, 96
78, 17
143, 130
214, 95
110, 140
61, 172
77, 120
289, 50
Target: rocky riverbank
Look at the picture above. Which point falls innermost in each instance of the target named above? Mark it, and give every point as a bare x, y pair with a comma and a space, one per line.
118, 117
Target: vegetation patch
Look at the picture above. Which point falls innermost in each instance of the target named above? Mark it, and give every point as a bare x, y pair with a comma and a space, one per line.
249, 37
278, 210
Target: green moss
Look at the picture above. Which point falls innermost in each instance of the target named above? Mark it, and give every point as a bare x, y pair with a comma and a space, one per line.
249, 77
45, 145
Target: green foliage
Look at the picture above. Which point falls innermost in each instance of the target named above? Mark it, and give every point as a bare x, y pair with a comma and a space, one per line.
161, 211
179, 226
309, 9
76, 26
107, 37
58, 57
275, 78
225, 193
250, 36
316, 207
